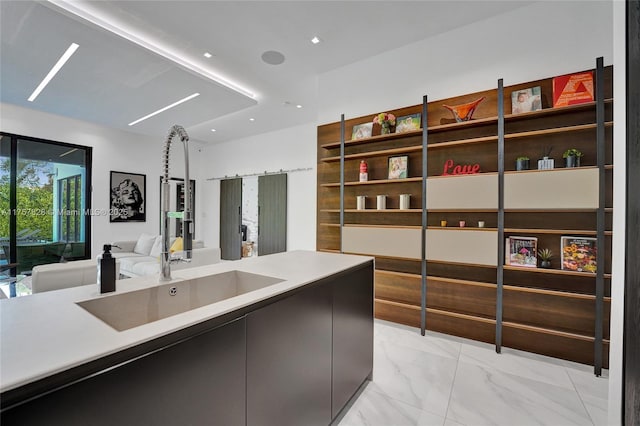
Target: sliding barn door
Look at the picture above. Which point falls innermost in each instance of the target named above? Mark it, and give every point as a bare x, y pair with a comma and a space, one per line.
272, 214
230, 219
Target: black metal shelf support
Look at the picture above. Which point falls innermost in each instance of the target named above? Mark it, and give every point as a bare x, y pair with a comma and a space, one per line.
341, 179
423, 292
501, 243
600, 244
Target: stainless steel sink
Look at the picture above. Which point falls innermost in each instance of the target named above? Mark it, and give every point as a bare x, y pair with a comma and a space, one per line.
127, 310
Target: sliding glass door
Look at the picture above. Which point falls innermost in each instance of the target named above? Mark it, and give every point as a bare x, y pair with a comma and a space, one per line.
45, 189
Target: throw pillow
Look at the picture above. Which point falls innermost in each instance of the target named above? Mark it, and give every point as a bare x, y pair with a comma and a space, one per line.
144, 244
177, 245
156, 250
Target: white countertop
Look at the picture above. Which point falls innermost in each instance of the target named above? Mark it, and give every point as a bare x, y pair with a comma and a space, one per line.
47, 333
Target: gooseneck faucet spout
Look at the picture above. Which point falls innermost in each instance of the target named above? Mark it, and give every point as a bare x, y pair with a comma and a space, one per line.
187, 220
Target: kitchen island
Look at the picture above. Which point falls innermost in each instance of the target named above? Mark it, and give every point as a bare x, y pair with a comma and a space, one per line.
292, 351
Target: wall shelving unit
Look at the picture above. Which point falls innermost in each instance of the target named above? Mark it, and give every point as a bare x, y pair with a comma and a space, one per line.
453, 279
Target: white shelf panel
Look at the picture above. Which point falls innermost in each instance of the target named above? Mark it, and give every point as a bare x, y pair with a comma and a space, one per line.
382, 241
476, 192
479, 247
562, 189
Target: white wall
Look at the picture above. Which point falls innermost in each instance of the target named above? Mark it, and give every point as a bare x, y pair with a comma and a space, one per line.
537, 41
287, 149
112, 150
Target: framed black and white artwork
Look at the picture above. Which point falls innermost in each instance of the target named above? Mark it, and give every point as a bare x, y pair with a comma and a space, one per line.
128, 193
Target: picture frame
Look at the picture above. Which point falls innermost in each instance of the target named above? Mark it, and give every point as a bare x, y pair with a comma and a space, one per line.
521, 252
398, 167
362, 131
408, 123
573, 89
526, 100
578, 254
128, 197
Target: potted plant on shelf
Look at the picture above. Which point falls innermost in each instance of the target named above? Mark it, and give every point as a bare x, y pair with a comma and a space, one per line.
545, 256
572, 157
522, 163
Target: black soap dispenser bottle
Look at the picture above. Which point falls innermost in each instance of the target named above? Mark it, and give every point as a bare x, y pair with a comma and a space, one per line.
107, 271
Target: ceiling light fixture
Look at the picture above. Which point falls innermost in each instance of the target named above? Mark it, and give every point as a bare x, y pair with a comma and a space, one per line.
315, 40
207, 55
298, 106
213, 130
88, 12
63, 59
252, 119
165, 108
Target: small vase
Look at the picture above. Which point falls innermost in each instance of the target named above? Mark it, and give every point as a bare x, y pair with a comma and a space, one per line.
545, 264
386, 129
572, 161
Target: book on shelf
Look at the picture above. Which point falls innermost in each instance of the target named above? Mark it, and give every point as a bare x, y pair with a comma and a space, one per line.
521, 251
573, 89
361, 131
578, 254
526, 100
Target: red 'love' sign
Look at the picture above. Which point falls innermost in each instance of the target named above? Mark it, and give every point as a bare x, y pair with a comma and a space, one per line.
466, 169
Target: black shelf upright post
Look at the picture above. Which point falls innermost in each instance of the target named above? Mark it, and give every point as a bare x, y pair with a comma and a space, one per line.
423, 261
600, 255
341, 179
501, 243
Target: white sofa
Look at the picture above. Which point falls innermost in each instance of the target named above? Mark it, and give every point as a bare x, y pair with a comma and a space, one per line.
142, 256
55, 276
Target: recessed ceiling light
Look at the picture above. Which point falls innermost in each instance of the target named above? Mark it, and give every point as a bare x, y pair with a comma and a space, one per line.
213, 130
63, 59
298, 106
207, 55
165, 108
315, 40
252, 119
88, 12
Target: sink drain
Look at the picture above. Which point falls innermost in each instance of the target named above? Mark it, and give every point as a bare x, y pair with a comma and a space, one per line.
173, 291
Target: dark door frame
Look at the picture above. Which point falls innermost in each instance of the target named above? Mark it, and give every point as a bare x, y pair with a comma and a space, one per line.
631, 341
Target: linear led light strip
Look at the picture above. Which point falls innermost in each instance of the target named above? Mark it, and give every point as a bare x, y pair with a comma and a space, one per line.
164, 109
63, 59
81, 9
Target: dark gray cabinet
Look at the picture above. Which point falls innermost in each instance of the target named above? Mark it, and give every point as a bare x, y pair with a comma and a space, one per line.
295, 359
200, 381
352, 335
289, 361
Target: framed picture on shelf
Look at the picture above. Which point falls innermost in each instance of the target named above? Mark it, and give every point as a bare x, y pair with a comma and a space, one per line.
398, 167
521, 251
526, 100
361, 131
578, 254
573, 89
128, 193
407, 123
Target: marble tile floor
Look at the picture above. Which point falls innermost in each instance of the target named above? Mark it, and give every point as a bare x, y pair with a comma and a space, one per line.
443, 380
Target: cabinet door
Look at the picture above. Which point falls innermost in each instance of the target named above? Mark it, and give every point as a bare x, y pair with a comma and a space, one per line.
199, 381
289, 361
231, 219
272, 214
352, 334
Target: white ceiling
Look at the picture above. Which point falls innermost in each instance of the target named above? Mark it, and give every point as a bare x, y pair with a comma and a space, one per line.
113, 81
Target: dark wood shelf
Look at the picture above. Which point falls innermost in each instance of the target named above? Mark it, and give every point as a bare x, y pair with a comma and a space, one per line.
377, 138
553, 272
372, 211
553, 231
373, 182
